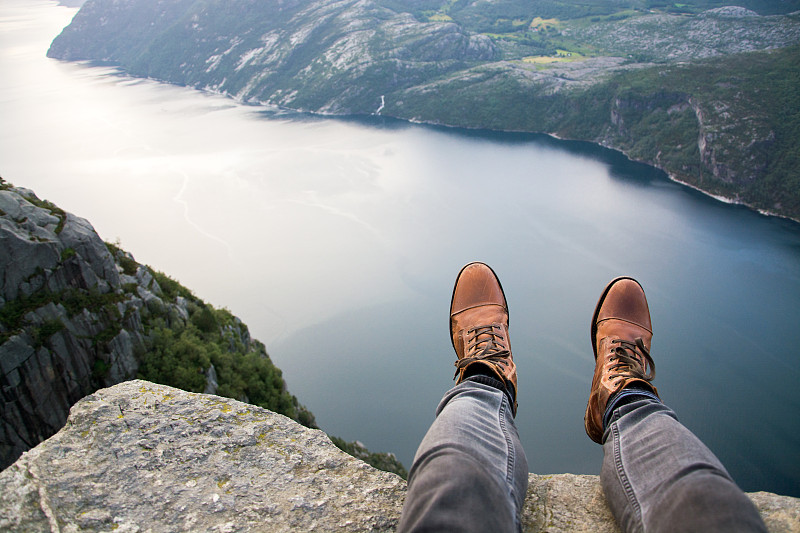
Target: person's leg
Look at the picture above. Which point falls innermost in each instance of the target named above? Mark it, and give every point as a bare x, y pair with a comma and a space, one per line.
656, 474
470, 472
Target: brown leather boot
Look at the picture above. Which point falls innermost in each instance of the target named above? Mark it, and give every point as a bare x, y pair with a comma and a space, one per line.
621, 334
479, 325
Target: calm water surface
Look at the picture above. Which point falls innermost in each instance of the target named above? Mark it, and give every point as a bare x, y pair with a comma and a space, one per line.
338, 241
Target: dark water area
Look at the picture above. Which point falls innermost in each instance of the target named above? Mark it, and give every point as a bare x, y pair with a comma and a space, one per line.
723, 288
337, 240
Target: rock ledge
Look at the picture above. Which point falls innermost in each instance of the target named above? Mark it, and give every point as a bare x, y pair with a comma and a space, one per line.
145, 457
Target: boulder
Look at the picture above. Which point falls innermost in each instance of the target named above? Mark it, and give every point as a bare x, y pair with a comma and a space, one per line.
145, 457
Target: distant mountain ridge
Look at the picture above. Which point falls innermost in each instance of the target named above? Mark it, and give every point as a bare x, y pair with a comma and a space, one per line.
705, 91
334, 56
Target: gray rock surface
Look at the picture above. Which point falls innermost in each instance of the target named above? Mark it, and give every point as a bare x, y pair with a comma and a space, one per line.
46, 355
145, 457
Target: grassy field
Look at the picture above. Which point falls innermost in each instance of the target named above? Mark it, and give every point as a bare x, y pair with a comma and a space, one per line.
540, 24
439, 17
562, 56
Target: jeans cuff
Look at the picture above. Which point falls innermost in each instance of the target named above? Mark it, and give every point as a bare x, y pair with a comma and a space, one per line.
623, 397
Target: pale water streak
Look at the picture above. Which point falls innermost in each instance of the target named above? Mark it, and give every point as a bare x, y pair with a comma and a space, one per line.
337, 242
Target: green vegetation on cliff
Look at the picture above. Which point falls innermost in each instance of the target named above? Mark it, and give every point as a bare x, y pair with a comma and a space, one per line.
728, 125
181, 353
180, 356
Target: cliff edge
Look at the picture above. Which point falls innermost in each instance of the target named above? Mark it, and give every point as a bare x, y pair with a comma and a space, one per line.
145, 457
78, 314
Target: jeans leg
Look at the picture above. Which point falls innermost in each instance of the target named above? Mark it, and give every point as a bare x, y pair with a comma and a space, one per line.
470, 472
658, 476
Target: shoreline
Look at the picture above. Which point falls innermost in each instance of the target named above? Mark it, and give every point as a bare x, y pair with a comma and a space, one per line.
119, 71
672, 177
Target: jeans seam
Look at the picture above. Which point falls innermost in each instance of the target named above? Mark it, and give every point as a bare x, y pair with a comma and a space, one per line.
509, 447
511, 457
623, 477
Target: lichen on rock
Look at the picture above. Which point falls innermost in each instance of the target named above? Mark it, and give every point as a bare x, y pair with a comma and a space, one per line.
141, 456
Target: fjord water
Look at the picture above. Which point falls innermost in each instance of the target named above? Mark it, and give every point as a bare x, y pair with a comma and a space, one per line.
338, 241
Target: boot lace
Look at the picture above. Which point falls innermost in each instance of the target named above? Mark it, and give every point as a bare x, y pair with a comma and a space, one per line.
633, 360
486, 344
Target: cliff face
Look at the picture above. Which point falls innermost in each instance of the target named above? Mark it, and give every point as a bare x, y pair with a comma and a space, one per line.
336, 56
49, 354
77, 314
140, 456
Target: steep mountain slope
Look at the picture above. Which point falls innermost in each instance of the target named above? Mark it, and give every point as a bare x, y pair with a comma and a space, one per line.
705, 95
332, 56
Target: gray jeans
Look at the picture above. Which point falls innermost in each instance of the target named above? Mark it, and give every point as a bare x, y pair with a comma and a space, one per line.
470, 472
658, 476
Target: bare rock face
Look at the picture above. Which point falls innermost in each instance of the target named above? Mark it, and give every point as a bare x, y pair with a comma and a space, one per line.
576, 504
146, 457
567, 502
47, 352
330, 56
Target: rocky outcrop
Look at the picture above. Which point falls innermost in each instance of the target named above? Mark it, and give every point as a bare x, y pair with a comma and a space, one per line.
76, 314
49, 349
141, 456
145, 457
